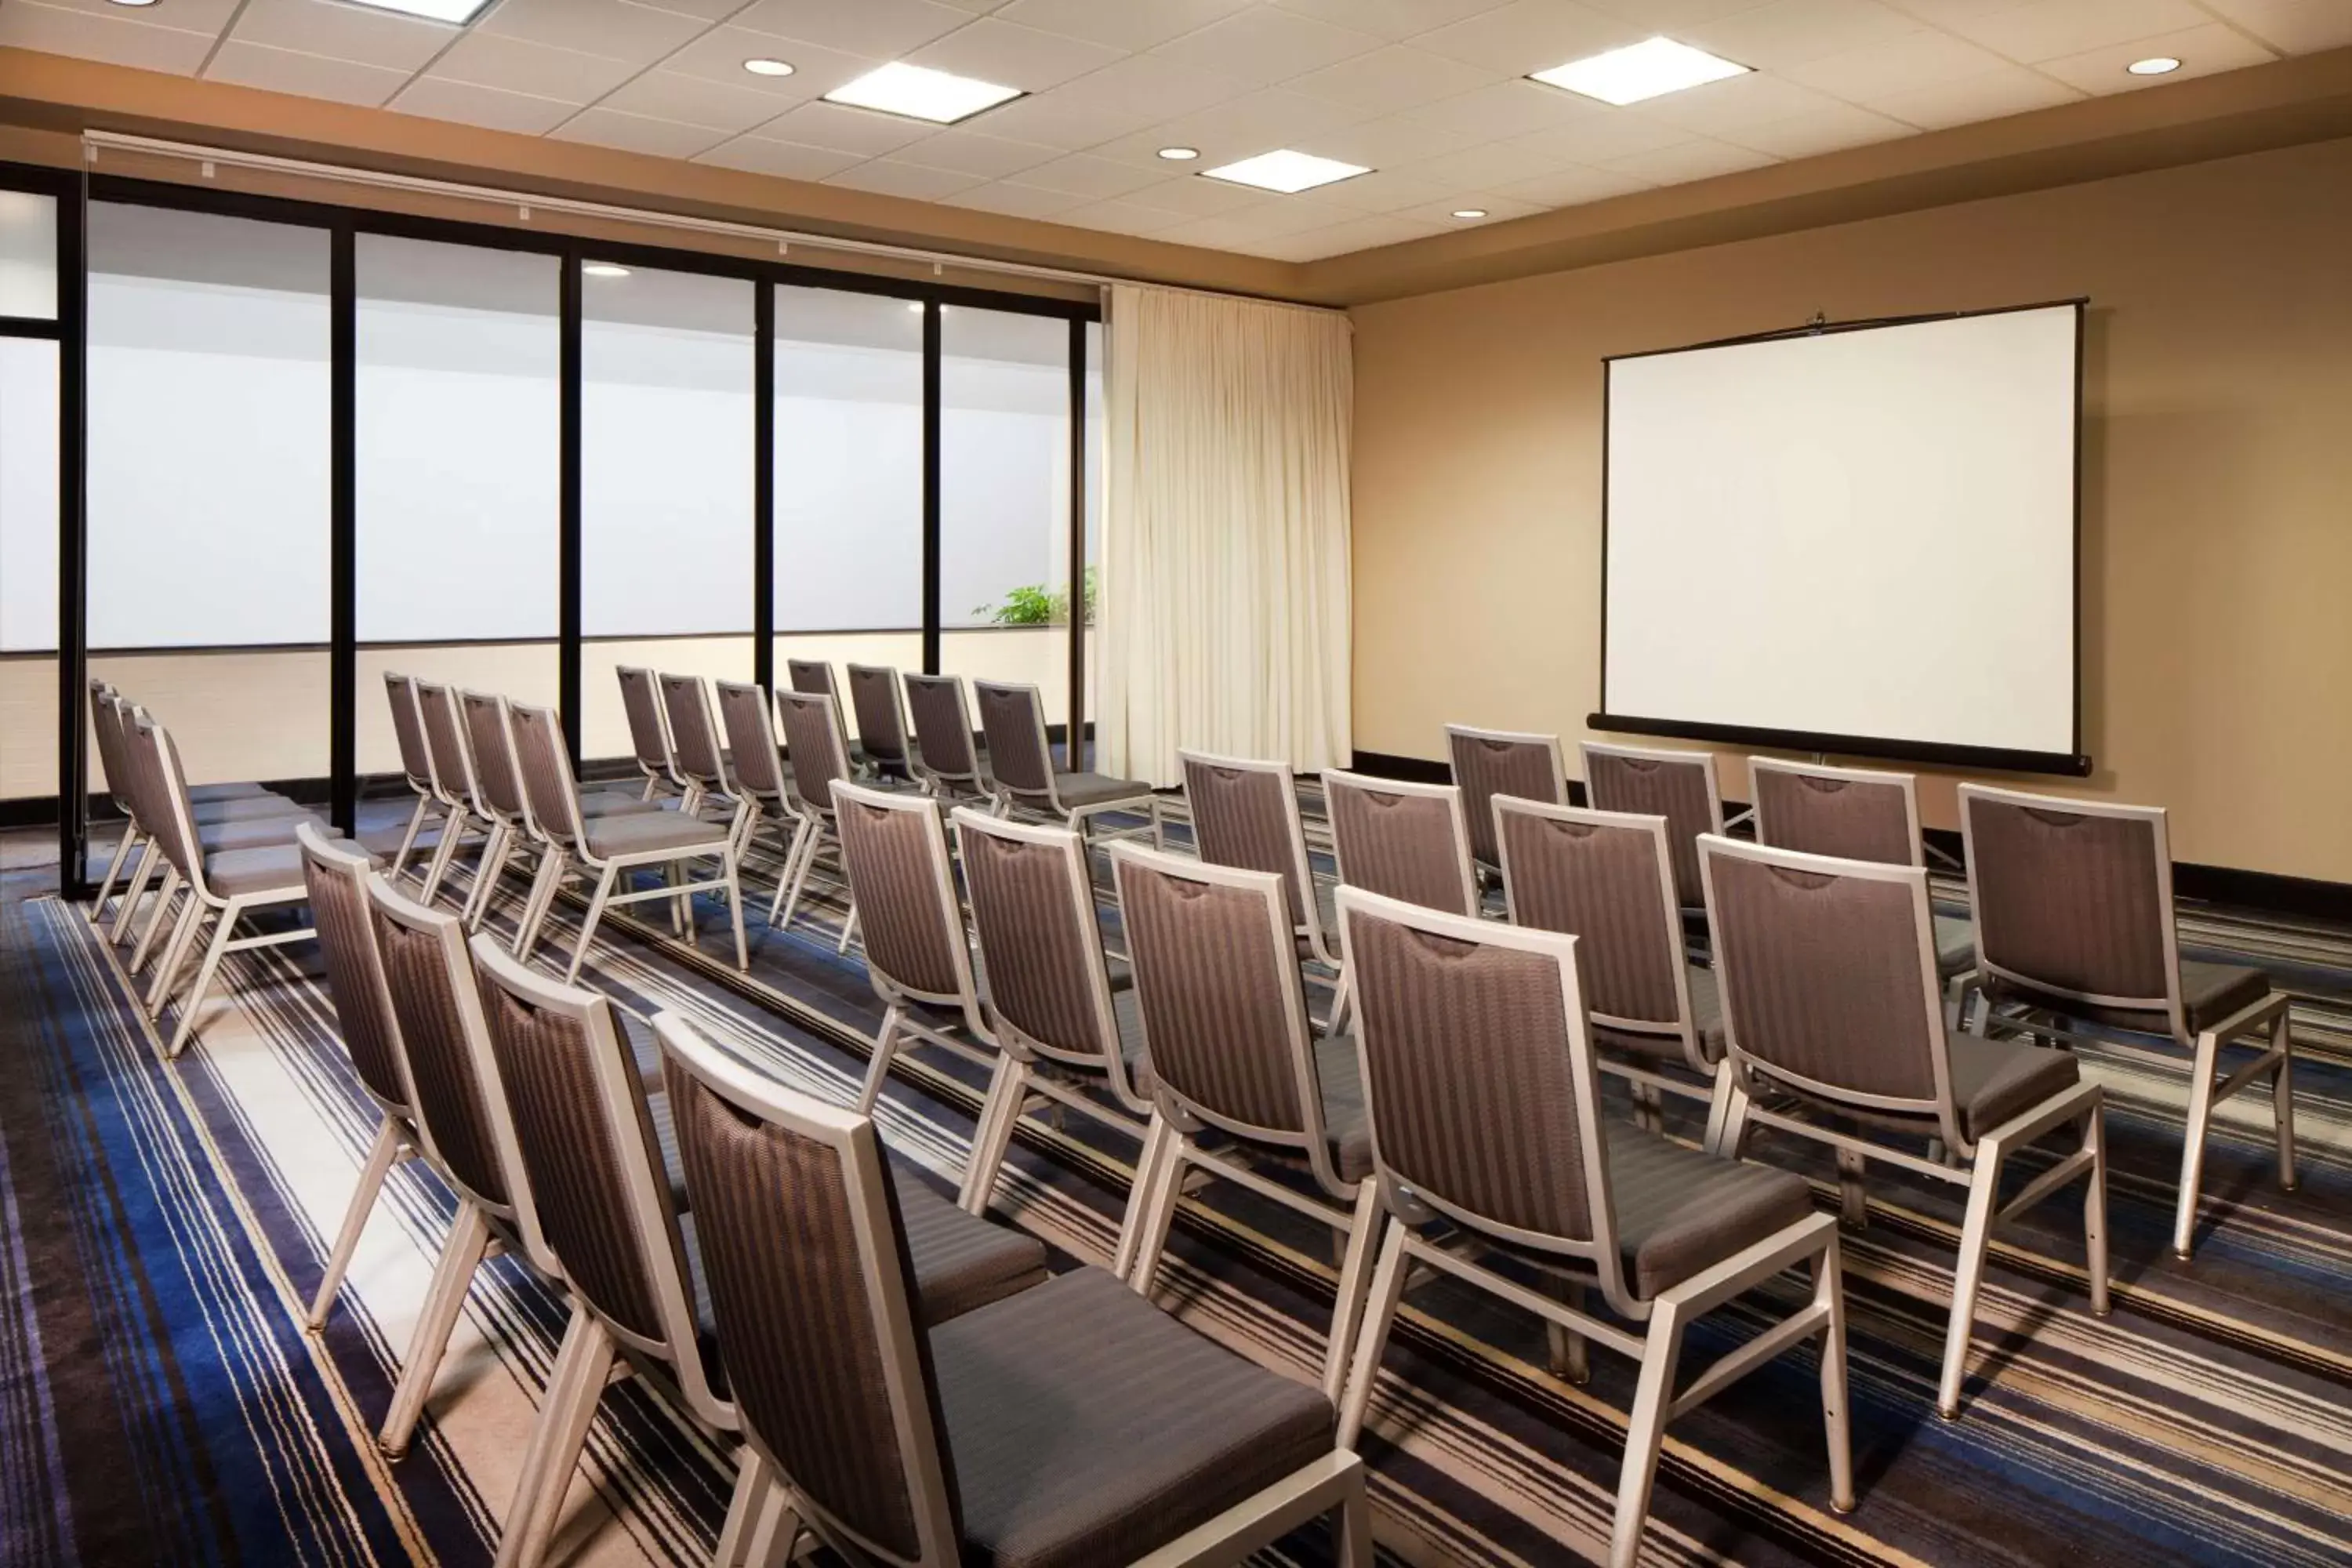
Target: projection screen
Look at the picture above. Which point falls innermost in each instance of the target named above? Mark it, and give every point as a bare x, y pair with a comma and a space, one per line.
1855, 539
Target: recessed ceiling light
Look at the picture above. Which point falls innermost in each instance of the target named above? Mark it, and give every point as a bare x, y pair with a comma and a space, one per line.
1180, 154
921, 94
604, 269
2155, 65
134, 1
431, 10
1637, 71
766, 67
1469, 212
1286, 171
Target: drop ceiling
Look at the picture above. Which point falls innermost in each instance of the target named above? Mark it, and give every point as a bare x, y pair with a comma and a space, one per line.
1430, 94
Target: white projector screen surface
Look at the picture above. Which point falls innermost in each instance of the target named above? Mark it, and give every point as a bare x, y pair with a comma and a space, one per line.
1791, 524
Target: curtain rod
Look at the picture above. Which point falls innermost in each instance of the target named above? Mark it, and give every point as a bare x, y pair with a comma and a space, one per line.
93, 142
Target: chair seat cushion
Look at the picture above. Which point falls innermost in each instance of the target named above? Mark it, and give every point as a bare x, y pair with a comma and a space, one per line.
1680, 1213
641, 832
265, 870
226, 791
260, 833
242, 808
1086, 1427
1078, 790
2210, 993
1993, 1080
1706, 1014
595, 806
1956, 944
962, 1261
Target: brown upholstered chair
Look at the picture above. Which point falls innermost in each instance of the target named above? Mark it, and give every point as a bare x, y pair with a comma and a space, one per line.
1223, 1024
649, 742
1488, 763
694, 741
873, 697
416, 765
611, 847
1245, 814
1068, 1424
1855, 813
814, 677
1021, 761
1060, 1029
1402, 840
2075, 928
761, 780
455, 788
1677, 786
1830, 1005
947, 757
1484, 1109
1607, 879
812, 732
497, 773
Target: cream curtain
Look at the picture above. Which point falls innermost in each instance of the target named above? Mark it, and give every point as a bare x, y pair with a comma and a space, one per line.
1225, 551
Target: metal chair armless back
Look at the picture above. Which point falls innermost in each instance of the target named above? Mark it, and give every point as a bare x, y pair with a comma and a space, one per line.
1245, 814
945, 757
1853, 814
881, 715
1020, 757
1677, 786
751, 742
648, 729
694, 734
1490, 763
1402, 840
408, 730
812, 738
551, 797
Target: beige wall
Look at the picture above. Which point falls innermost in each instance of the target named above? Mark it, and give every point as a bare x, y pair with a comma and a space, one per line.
2217, 520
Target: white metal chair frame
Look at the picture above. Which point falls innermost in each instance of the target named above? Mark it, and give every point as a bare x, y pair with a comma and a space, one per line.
1813, 1240
660, 770
1978, 1162
2206, 1090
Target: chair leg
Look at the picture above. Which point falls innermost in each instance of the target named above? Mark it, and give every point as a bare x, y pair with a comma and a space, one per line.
184, 927
1008, 1086
744, 1505
1380, 1315
223, 934
1854, 1198
1645, 1432
556, 1439
849, 927
1837, 1426
114, 869
407, 840
1355, 1280
809, 836
1156, 1213
2095, 1204
1731, 1139
1967, 1273
462, 1252
163, 896
2192, 1153
778, 1530
1570, 1352
453, 831
2283, 1099
735, 913
1138, 1193
878, 1066
791, 871
381, 1158
1351, 1528
1718, 1110
553, 865
150, 855
588, 924
496, 851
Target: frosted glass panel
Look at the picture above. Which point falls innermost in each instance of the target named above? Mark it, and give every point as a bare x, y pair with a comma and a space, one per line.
28, 255
1004, 469
28, 494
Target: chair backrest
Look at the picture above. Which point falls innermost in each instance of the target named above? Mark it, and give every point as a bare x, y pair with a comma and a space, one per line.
1606, 877
881, 718
336, 876
751, 740
648, 728
693, 734
1402, 840
1677, 786
813, 735
462, 1108
588, 1145
1020, 758
140, 773
894, 848
1245, 814
1218, 991
446, 749
495, 769
1488, 763
1032, 915
551, 798
164, 794
1479, 1081
408, 729
942, 721
106, 724
1827, 970
1853, 814
812, 676
824, 1355
2073, 897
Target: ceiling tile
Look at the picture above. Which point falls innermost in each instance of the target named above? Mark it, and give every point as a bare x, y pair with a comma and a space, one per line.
701, 10
1397, 190
1122, 24
1140, 90
340, 32
693, 100
638, 34
1393, 18
2202, 51
1719, 108
312, 76
1530, 36
1385, 143
786, 160
1695, 160
841, 128
1596, 138
719, 55
1394, 77
1258, 122
1672, 16
885, 29
1917, 60
1122, 217
1354, 234
971, 153
638, 134
1196, 197
1482, 168
511, 65
1786, 33
1830, 130
2011, 90
1507, 109
118, 40
489, 107
1016, 200
1026, 57
888, 177
1576, 184
2049, 29
2297, 26
1096, 178
1265, 45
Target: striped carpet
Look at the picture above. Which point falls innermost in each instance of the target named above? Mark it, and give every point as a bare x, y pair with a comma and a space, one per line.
160, 1224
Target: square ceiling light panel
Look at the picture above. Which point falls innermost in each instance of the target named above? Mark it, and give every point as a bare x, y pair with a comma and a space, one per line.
1286, 171
919, 93
1647, 70
431, 10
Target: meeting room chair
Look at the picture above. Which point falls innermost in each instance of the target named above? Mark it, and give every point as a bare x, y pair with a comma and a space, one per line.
612, 849
1483, 1105
450, 762
1831, 1007
1068, 1422
1677, 786
1607, 879
812, 735
1061, 1032
1244, 814
1021, 762
1401, 839
416, 765
649, 741
814, 677
945, 756
1490, 763
2075, 923
762, 781
873, 697
694, 741
499, 775
1238, 1080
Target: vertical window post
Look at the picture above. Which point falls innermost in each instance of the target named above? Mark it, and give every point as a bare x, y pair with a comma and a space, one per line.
931, 418
567, 594
1074, 755
763, 487
342, 551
